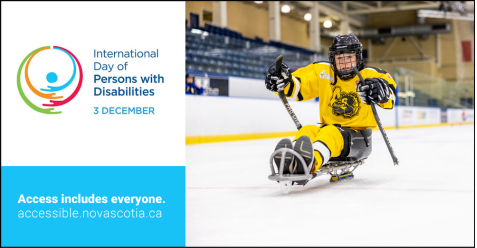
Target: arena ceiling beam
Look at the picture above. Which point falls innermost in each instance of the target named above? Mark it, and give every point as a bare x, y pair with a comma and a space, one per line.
360, 5
398, 7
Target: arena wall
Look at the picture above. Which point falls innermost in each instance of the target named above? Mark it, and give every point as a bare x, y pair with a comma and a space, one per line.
216, 118
460, 116
215, 115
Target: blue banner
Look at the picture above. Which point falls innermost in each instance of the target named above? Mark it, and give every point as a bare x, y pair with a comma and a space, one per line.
93, 206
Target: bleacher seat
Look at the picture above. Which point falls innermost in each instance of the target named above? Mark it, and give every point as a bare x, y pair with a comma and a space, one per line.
242, 56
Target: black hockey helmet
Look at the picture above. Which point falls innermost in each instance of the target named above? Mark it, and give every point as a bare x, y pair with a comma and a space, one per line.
346, 44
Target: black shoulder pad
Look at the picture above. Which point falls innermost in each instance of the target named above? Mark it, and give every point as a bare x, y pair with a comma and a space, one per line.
316, 62
378, 69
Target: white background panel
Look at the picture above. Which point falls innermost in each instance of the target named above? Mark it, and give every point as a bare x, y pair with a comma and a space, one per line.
77, 136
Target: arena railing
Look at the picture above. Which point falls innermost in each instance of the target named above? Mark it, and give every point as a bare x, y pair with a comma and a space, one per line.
418, 89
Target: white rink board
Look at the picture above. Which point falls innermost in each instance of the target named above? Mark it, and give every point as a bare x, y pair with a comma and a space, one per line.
428, 200
460, 115
409, 116
212, 115
387, 116
215, 115
249, 87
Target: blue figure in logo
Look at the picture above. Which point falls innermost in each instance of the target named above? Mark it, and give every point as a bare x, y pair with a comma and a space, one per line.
55, 77
51, 77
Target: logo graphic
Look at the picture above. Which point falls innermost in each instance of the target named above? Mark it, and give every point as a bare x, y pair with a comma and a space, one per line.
52, 77
421, 115
346, 104
324, 75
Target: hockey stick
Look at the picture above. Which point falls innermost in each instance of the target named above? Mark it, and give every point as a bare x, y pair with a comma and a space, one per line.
281, 93
376, 117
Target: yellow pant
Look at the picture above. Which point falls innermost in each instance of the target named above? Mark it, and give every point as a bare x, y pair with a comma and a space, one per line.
327, 142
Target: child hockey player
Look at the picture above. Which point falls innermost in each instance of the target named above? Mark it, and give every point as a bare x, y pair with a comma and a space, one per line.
344, 102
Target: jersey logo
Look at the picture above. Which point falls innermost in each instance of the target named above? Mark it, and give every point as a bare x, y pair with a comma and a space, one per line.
346, 104
324, 75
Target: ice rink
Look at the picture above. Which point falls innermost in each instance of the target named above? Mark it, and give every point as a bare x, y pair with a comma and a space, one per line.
427, 200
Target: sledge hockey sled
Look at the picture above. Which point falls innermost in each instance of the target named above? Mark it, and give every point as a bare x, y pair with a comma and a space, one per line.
357, 148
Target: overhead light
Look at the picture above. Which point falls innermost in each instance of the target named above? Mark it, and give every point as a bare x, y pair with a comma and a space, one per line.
259, 2
327, 24
286, 8
307, 17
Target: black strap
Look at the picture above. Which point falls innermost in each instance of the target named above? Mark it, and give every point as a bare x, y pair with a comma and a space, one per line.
345, 132
300, 96
323, 61
290, 90
365, 138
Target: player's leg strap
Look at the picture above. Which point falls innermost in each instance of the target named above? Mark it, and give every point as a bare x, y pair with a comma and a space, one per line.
346, 133
357, 145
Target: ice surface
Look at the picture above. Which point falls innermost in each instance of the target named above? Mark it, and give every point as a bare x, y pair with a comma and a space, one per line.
427, 200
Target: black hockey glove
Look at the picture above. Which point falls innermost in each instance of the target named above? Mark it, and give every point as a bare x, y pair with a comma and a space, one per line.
274, 81
373, 90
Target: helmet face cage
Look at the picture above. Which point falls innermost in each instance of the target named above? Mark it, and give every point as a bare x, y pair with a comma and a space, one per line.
343, 45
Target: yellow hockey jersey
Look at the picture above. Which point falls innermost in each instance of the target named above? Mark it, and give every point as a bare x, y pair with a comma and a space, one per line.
339, 102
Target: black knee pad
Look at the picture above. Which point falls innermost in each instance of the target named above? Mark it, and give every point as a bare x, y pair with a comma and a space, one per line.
357, 145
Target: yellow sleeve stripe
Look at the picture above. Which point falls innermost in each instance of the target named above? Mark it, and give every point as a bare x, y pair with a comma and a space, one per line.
287, 88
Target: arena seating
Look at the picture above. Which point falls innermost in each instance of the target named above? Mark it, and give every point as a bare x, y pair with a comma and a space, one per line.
222, 51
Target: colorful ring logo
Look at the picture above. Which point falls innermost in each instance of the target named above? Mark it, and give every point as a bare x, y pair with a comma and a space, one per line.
51, 77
